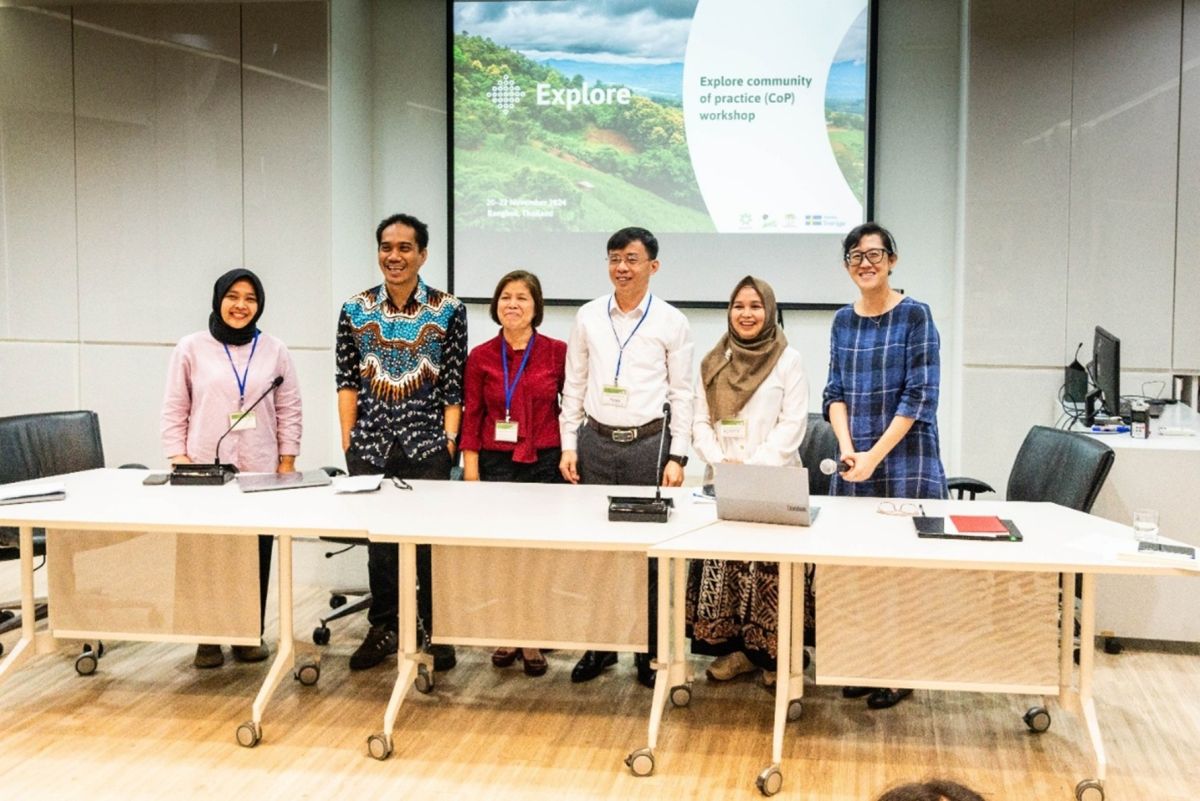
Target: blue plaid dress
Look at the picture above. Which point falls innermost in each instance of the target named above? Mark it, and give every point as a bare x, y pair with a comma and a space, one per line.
881, 367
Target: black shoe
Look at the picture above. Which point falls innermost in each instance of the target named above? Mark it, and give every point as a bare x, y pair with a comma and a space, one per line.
856, 692
592, 664
443, 657
645, 673
378, 645
884, 698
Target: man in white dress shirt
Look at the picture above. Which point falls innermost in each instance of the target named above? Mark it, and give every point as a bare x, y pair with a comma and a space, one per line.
629, 353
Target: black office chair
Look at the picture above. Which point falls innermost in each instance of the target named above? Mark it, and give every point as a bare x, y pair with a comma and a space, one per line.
36, 446
1054, 466
338, 597
819, 443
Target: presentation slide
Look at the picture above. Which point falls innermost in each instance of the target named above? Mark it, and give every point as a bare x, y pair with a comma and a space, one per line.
736, 132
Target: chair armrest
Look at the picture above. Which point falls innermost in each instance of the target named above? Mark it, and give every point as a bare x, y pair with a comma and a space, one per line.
960, 485
333, 471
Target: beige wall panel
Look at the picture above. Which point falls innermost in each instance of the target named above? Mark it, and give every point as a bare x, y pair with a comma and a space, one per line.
160, 184
39, 377
38, 287
1017, 182
1123, 175
287, 211
495, 595
206, 27
320, 444
289, 39
1001, 628
124, 385
1187, 244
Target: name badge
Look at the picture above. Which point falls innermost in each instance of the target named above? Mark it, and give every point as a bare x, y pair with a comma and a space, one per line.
243, 420
506, 431
732, 428
615, 396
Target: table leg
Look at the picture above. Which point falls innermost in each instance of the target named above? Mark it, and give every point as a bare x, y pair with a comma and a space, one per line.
770, 780
412, 666
1087, 636
250, 733
24, 649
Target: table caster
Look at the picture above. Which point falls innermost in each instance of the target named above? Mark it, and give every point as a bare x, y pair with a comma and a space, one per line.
1037, 719
795, 709
1089, 790
424, 680
770, 781
641, 762
85, 663
379, 746
249, 734
681, 695
321, 635
308, 674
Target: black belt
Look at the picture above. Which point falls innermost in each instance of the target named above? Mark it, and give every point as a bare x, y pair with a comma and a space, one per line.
625, 435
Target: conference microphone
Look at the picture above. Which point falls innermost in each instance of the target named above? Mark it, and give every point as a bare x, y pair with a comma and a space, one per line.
216, 473
646, 510
829, 467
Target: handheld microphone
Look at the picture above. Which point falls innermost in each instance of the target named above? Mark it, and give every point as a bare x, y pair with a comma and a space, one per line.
829, 467
274, 386
216, 473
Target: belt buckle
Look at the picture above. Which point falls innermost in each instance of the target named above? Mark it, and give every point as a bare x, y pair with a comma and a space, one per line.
624, 435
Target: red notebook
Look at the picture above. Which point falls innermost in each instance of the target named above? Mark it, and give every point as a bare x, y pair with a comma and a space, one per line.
978, 524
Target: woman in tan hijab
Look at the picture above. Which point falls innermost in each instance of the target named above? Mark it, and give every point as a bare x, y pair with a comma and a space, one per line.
752, 407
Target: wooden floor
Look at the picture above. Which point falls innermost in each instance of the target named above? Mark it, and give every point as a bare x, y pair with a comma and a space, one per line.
147, 725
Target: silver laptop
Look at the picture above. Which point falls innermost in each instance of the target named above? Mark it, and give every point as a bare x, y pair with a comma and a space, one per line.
261, 482
757, 493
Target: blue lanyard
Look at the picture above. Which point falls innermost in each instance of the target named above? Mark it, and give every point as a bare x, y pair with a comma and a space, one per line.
621, 345
509, 389
241, 379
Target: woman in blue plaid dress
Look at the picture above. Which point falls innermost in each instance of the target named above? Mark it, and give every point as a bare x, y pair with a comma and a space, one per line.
882, 394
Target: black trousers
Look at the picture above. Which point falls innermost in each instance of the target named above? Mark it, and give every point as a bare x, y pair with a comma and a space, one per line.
499, 466
602, 461
383, 559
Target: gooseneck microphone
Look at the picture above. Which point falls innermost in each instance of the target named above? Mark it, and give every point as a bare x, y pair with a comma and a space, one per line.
205, 474
217, 451
662, 439
646, 510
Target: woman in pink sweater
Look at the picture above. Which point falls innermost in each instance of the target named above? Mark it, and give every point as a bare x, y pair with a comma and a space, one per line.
216, 374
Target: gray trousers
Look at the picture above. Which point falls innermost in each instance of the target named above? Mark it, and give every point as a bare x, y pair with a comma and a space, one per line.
602, 461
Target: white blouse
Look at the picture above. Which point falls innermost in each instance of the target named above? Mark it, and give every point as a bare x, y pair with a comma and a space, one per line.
775, 417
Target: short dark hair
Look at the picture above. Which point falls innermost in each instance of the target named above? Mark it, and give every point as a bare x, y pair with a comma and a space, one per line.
866, 229
535, 289
627, 236
419, 228
932, 790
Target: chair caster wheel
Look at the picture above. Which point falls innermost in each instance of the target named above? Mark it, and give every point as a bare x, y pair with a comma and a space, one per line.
85, 663
795, 710
770, 781
641, 762
1037, 719
424, 680
1112, 646
321, 635
379, 746
336, 601
249, 734
681, 695
1, 649
1089, 790
308, 675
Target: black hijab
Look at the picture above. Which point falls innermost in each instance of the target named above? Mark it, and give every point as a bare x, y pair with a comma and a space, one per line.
222, 331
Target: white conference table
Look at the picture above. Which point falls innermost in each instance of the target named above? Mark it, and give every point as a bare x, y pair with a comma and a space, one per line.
960, 615
112, 500
527, 520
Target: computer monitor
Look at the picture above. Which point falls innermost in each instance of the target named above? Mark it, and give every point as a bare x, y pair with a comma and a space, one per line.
1106, 370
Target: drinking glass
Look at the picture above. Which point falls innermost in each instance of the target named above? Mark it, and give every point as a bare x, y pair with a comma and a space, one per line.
1145, 525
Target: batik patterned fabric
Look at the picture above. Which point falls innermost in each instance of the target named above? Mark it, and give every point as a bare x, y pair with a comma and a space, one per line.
406, 365
881, 367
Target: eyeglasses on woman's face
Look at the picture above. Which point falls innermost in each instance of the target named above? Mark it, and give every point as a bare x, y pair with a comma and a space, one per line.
873, 256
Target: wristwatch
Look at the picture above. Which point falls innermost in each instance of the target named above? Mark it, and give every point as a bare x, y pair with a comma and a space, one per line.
679, 460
